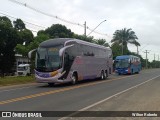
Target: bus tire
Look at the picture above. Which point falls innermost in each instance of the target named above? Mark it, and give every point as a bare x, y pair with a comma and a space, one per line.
51, 84
110, 71
74, 78
132, 72
105, 74
102, 75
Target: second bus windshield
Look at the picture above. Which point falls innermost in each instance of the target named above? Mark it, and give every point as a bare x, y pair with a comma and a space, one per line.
122, 63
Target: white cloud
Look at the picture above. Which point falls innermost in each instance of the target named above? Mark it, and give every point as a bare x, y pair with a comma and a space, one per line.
140, 15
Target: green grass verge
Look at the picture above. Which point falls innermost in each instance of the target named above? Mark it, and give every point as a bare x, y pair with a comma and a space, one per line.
16, 80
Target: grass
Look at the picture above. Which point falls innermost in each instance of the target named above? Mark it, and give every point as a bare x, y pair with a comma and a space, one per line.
16, 80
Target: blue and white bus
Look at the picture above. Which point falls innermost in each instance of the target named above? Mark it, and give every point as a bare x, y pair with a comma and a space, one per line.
64, 60
127, 64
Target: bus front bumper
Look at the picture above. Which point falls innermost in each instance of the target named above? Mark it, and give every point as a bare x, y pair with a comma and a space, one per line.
50, 79
122, 71
54, 79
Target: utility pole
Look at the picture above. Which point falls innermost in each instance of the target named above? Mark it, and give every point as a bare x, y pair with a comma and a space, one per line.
154, 60
122, 46
137, 50
85, 28
158, 61
146, 58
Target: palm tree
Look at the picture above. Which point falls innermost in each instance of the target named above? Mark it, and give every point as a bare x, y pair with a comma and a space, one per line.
123, 37
136, 44
102, 42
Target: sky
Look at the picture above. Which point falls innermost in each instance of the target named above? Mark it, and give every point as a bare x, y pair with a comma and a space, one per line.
142, 16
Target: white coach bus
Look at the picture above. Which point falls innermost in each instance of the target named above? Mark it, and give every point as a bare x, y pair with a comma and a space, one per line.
64, 60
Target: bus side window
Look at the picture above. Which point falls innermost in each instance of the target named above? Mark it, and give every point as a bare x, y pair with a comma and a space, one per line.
66, 56
130, 61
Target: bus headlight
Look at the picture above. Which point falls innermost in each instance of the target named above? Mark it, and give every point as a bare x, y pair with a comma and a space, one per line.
54, 73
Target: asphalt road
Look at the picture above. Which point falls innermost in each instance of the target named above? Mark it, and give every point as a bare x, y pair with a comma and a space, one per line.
117, 93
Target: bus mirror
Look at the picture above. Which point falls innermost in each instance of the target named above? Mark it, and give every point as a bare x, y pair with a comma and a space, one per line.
116, 61
129, 61
63, 49
30, 53
66, 57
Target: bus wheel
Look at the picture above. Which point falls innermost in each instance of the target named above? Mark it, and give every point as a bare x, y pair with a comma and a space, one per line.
102, 75
105, 74
74, 78
51, 84
132, 72
110, 71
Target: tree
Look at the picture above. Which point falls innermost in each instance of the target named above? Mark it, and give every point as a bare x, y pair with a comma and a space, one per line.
24, 49
8, 41
41, 32
19, 25
84, 38
123, 37
58, 31
25, 35
32, 43
116, 49
37, 40
5, 21
102, 42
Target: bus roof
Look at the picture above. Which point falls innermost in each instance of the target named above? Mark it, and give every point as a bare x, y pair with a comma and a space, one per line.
63, 41
126, 56
54, 42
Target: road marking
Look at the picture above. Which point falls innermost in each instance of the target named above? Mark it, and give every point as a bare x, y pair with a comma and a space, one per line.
12, 86
104, 100
56, 91
16, 89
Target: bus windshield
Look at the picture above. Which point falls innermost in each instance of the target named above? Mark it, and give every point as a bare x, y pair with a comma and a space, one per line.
122, 63
48, 59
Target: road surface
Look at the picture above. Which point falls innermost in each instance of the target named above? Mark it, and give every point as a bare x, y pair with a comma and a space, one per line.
139, 92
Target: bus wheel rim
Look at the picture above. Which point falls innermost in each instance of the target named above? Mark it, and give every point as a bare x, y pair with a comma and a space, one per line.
73, 79
105, 74
102, 75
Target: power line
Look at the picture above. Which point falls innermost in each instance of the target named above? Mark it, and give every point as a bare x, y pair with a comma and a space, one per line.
53, 16
96, 27
143, 47
23, 20
97, 32
47, 14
